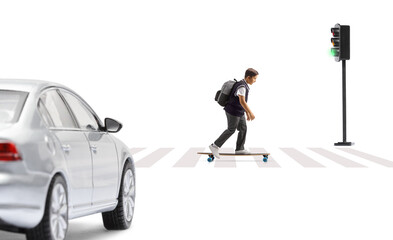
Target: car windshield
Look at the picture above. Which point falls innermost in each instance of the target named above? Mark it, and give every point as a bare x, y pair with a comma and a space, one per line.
11, 105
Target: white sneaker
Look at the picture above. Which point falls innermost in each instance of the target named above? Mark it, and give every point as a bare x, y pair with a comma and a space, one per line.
215, 150
242, 152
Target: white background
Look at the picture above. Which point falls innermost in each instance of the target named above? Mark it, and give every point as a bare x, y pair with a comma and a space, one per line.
156, 65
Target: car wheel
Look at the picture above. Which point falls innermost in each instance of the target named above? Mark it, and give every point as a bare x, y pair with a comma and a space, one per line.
54, 223
120, 218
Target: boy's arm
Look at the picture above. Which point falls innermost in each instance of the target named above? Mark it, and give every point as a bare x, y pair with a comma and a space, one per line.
250, 115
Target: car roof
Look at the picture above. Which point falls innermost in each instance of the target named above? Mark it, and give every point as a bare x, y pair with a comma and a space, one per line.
26, 85
34, 87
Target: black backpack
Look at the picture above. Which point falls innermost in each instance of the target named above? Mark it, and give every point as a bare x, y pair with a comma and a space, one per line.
222, 96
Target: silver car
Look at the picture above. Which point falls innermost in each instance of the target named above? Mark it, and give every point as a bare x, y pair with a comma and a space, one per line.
59, 162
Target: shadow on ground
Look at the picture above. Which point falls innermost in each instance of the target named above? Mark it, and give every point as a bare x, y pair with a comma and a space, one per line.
76, 230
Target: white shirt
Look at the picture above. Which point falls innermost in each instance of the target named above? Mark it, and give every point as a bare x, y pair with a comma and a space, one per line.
241, 91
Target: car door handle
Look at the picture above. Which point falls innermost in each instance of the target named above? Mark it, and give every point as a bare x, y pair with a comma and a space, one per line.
94, 148
66, 148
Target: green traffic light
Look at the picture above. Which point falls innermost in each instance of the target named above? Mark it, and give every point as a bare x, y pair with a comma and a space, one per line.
334, 52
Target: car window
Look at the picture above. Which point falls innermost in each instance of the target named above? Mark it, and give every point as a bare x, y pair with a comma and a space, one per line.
59, 115
85, 118
45, 114
11, 105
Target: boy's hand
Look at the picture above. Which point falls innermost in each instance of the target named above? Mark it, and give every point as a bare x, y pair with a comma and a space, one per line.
250, 116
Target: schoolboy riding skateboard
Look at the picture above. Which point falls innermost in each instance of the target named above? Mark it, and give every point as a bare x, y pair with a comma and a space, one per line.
235, 111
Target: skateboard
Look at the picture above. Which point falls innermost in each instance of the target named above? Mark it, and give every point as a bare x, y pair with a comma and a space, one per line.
211, 156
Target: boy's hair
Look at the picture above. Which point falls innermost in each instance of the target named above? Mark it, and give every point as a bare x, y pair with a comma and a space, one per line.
251, 72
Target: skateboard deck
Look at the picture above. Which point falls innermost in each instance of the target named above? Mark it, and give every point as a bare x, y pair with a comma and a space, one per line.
211, 156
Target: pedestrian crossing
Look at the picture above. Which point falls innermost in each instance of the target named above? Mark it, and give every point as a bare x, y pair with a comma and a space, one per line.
287, 157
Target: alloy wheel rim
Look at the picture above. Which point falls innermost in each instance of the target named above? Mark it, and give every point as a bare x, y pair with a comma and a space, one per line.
128, 195
59, 212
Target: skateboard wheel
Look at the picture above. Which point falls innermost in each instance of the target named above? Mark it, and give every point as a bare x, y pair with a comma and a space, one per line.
211, 158
265, 159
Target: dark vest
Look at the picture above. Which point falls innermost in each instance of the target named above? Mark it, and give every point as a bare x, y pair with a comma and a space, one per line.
233, 106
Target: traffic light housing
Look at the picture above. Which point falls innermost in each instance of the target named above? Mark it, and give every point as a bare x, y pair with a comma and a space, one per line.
340, 41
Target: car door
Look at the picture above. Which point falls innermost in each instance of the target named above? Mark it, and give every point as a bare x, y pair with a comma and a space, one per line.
103, 150
74, 145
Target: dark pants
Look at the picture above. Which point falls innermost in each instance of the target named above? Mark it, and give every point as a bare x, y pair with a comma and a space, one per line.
234, 123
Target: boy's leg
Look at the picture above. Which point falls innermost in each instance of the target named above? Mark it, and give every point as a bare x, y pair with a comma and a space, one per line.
233, 122
241, 137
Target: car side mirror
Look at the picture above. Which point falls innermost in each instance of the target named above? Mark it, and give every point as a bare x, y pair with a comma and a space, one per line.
112, 126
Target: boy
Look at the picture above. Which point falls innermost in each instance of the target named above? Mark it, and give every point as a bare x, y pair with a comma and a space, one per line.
235, 109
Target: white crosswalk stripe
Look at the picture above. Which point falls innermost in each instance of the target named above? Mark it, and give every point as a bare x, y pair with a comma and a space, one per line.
301, 158
337, 158
280, 157
365, 158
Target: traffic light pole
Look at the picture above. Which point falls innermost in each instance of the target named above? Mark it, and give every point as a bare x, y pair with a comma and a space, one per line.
344, 142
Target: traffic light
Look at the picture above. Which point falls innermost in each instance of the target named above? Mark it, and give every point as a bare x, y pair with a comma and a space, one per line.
340, 52
340, 41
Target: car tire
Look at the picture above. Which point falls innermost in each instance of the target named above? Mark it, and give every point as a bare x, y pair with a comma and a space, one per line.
121, 217
54, 223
